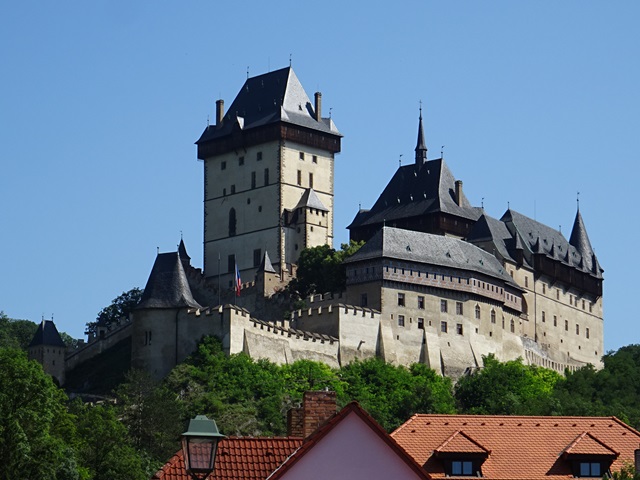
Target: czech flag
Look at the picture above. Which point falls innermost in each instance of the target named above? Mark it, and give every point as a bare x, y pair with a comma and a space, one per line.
238, 282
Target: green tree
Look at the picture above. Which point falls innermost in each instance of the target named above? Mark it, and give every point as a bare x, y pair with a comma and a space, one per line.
120, 307
507, 388
320, 269
152, 414
391, 394
16, 333
36, 431
104, 448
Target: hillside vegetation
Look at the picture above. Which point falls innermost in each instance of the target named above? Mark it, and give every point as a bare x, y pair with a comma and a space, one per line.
131, 437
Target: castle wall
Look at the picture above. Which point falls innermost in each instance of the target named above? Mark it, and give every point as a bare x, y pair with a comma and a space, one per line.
97, 345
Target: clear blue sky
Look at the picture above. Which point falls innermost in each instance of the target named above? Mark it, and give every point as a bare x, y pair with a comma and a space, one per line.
102, 101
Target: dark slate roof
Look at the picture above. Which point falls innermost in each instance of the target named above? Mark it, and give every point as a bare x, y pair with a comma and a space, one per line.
580, 240
417, 191
167, 286
541, 239
266, 265
182, 250
489, 229
430, 249
47, 334
310, 199
272, 97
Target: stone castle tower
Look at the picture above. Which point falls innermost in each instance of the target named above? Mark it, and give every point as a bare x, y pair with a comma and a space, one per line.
48, 348
268, 170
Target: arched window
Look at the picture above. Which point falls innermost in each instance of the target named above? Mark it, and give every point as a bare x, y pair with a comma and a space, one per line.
232, 222
493, 316
513, 326
477, 312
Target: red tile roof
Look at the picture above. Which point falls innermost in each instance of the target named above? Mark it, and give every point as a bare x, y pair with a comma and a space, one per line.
238, 458
460, 442
520, 447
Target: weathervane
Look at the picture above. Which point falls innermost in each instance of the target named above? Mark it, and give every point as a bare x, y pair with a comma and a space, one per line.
400, 160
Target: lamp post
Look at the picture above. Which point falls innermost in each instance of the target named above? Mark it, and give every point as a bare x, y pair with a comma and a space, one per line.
199, 445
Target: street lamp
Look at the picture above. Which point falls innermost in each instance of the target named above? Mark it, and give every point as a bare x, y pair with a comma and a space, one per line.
199, 445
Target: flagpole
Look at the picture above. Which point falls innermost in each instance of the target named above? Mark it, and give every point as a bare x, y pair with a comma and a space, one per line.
219, 302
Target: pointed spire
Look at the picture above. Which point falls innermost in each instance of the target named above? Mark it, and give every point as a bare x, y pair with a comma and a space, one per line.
580, 240
421, 147
182, 250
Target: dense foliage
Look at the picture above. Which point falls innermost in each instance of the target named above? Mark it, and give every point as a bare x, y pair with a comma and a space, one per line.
44, 436
320, 269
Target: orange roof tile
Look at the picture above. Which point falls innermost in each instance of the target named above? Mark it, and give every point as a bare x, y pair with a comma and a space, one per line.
587, 444
238, 458
520, 447
460, 442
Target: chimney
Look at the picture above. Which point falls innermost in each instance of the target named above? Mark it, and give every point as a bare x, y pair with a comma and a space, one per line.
317, 408
219, 111
636, 459
318, 109
459, 192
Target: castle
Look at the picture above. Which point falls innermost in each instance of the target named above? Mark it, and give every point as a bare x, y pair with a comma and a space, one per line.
438, 281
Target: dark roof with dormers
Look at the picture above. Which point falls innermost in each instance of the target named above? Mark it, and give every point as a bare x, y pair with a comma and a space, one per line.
167, 286
47, 334
310, 199
538, 238
419, 247
272, 97
413, 192
489, 229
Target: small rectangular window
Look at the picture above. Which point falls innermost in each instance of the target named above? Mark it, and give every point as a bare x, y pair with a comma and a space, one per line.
233, 189
420, 302
566, 325
555, 321
259, 156
401, 320
443, 306
253, 179
240, 160
459, 328
544, 317
299, 177
459, 308
420, 323
401, 299
577, 329
315, 159
586, 332
443, 327
544, 288
223, 166
301, 155
310, 180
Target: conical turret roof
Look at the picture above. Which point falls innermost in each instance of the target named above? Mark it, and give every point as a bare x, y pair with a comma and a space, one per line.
580, 240
167, 286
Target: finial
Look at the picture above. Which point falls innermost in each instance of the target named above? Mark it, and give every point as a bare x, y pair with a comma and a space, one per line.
180, 234
508, 206
560, 228
359, 205
247, 72
290, 60
400, 160
158, 250
442, 151
384, 222
420, 109
578, 200
207, 120
482, 203
330, 108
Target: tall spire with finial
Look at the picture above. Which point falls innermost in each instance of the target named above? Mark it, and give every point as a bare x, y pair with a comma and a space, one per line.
421, 147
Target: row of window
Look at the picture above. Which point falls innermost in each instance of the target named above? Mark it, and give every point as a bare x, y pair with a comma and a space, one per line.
300, 179
223, 164
566, 324
314, 158
444, 325
253, 182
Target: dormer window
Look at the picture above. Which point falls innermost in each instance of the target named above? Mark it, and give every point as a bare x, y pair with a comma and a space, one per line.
589, 456
462, 468
461, 456
590, 469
